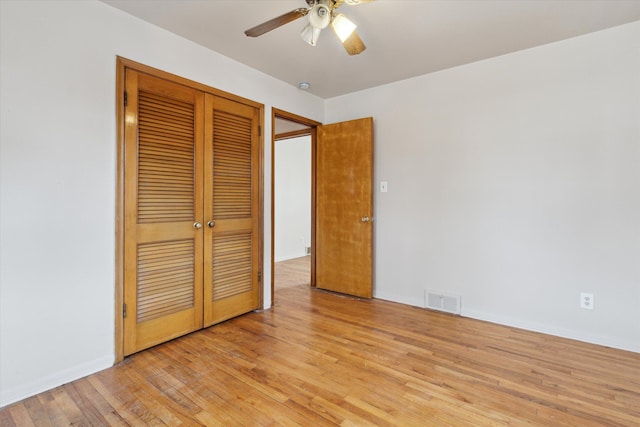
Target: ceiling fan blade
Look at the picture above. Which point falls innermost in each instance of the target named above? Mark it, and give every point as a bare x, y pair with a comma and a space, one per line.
274, 23
354, 44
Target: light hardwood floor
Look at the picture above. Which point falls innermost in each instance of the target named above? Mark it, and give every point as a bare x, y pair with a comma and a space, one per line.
323, 359
292, 272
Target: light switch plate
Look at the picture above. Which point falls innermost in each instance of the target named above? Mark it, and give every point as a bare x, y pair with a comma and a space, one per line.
383, 186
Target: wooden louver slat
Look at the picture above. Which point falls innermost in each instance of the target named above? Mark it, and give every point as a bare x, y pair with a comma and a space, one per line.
165, 278
232, 166
165, 159
232, 262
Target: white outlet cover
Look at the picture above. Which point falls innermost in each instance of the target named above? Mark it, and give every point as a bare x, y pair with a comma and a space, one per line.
586, 300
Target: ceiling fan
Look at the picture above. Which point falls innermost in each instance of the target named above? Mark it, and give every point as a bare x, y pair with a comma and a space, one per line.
321, 13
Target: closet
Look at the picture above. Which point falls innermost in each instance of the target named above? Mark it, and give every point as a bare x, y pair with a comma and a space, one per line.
191, 204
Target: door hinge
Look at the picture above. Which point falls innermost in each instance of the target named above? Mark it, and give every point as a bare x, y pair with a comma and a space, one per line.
259, 276
259, 130
124, 310
126, 99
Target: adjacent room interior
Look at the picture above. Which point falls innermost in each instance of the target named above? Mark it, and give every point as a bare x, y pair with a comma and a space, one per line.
292, 205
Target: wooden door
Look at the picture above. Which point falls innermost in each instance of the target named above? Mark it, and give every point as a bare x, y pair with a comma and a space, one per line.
163, 209
232, 233
344, 207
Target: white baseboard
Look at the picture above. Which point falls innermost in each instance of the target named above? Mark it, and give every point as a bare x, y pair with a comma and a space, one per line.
516, 323
402, 299
23, 391
551, 330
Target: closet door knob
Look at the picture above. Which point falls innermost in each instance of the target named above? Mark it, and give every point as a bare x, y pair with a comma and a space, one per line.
364, 219
197, 225
211, 224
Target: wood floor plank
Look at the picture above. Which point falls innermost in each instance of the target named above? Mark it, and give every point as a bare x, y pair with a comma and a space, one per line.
324, 359
16, 416
116, 396
292, 272
36, 411
10, 416
103, 410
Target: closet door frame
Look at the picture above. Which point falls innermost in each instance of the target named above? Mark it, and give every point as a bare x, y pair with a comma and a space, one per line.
122, 64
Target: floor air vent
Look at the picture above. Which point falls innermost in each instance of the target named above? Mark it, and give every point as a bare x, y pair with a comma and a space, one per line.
442, 302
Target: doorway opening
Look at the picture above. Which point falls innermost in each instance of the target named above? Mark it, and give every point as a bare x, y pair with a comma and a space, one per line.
292, 212
292, 201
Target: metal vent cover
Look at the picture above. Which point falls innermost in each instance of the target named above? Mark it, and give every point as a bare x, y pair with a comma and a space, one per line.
436, 300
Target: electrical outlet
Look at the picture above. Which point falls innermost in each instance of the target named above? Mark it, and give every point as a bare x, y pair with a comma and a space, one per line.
586, 301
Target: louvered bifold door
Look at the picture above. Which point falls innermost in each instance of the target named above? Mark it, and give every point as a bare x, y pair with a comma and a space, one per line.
231, 241
163, 211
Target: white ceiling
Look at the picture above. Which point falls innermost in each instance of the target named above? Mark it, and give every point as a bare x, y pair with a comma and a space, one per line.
404, 38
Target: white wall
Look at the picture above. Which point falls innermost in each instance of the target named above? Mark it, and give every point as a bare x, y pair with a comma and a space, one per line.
515, 183
58, 168
292, 177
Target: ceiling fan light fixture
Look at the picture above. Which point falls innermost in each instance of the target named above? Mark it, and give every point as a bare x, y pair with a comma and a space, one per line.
342, 26
319, 16
310, 34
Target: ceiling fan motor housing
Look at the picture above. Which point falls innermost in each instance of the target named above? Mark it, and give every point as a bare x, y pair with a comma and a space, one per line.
312, 3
